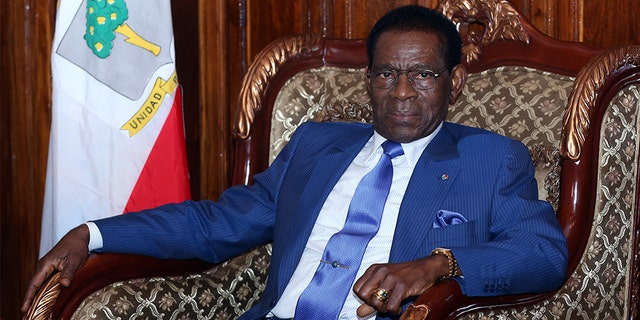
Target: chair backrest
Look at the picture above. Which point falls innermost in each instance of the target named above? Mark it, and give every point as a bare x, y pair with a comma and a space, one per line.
518, 85
522, 84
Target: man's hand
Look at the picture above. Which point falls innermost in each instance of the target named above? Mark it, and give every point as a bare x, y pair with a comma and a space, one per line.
400, 280
67, 256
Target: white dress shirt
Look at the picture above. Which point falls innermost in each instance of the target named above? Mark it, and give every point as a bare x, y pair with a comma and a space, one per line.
332, 217
334, 214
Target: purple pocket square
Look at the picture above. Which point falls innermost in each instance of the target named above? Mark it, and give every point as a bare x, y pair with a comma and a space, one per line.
448, 218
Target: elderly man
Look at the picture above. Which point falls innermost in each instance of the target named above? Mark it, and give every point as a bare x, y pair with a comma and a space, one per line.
366, 216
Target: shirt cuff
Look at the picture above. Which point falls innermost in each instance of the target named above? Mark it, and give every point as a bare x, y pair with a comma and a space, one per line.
95, 237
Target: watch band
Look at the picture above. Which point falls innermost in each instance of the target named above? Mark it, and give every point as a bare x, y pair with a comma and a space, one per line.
454, 270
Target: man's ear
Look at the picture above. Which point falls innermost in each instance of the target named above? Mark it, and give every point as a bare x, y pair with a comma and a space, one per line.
458, 79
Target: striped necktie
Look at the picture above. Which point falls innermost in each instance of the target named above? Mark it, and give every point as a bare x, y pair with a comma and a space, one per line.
325, 295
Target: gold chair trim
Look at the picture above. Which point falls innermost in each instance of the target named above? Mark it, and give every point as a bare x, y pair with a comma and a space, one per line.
586, 91
499, 19
268, 62
42, 305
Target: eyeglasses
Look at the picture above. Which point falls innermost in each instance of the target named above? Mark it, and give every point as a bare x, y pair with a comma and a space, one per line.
420, 79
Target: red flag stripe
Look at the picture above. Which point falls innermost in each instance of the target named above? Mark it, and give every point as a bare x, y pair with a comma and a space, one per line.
164, 177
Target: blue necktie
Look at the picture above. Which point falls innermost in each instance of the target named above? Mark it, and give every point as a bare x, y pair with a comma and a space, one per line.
332, 281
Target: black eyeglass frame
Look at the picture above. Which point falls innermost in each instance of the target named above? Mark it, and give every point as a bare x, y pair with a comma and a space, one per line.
411, 74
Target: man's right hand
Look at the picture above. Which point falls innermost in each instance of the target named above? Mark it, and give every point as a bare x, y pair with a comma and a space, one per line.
67, 256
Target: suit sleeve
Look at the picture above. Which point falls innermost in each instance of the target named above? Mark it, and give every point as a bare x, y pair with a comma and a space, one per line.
526, 250
214, 231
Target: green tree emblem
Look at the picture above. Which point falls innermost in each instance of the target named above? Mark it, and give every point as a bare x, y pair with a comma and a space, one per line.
105, 18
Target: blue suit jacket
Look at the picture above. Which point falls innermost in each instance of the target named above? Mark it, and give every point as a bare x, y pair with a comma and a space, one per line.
511, 242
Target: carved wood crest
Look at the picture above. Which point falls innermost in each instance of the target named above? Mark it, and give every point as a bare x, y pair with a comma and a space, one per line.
481, 22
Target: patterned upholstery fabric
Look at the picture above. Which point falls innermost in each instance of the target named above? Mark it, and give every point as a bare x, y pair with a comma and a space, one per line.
335, 93
223, 292
519, 102
599, 288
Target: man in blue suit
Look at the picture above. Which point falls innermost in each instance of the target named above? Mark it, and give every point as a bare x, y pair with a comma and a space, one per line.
463, 202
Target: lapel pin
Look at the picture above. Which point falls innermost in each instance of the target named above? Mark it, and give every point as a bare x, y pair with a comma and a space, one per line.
444, 177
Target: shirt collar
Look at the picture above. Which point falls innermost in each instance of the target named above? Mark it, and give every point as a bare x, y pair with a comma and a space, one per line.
412, 150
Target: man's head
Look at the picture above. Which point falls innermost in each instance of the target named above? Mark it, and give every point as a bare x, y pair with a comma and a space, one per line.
417, 18
413, 73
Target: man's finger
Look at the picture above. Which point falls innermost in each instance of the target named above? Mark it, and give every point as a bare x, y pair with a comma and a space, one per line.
26, 302
68, 269
365, 310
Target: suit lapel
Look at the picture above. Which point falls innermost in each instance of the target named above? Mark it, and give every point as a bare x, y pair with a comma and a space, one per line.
330, 167
431, 180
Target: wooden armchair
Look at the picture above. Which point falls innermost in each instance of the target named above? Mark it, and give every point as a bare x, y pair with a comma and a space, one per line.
576, 108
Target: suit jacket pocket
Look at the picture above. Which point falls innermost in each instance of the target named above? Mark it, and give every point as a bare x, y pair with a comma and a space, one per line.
457, 235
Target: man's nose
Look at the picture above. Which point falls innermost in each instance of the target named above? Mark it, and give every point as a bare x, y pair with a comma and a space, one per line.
403, 89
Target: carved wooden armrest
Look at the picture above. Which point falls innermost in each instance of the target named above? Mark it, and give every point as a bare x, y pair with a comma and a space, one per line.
54, 301
436, 303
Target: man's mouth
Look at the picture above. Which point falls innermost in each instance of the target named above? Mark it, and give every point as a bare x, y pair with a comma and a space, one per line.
401, 115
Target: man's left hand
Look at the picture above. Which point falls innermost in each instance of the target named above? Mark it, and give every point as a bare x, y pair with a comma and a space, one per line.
383, 286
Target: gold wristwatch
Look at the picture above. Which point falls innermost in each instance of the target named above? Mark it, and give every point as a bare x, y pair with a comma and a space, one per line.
454, 270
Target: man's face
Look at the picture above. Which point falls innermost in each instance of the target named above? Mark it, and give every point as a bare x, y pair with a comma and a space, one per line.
403, 113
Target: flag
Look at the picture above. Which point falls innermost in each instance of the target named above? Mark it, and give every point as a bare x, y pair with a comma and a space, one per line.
117, 134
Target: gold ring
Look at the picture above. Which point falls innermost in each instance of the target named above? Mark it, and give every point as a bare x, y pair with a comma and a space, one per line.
382, 295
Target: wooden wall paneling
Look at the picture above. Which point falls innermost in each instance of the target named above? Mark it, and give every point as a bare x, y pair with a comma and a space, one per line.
185, 21
611, 23
27, 31
604, 24
569, 20
5, 147
348, 18
428, 3
268, 20
214, 108
543, 15
237, 63
317, 16
360, 16
235, 58
344, 15
554, 18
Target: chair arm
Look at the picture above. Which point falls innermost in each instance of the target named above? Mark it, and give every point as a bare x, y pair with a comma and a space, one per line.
436, 303
446, 301
54, 301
